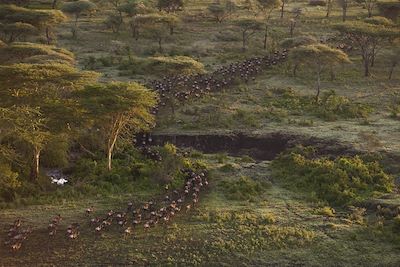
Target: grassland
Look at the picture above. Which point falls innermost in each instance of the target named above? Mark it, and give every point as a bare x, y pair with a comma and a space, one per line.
272, 227
246, 108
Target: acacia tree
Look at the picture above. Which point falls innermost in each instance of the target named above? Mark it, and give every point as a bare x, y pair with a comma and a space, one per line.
158, 26
248, 28
24, 52
172, 21
118, 110
39, 93
115, 20
293, 42
134, 9
318, 58
266, 7
283, 4
344, 4
329, 5
28, 125
77, 9
8, 177
369, 38
218, 11
370, 5
13, 31
42, 20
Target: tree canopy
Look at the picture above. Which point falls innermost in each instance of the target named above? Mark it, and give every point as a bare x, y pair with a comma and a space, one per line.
318, 57
76, 9
19, 21
367, 37
118, 110
25, 52
248, 28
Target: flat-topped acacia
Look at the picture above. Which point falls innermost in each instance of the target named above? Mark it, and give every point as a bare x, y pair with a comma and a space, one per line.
368, 37
25, 52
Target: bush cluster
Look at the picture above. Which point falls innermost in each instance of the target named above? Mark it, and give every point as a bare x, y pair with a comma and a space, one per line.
162, 66
88, 176
330, 108
338, 181
244, 188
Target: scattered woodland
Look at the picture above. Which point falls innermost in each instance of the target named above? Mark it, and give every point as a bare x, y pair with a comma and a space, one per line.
199, 132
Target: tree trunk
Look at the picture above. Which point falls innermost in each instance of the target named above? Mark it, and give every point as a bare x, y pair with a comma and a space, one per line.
292, 26
372, 59
370, 8
344, 12
328, 8
121, 17
318, 84
282, 8
137, 33
332, 73
265, 37
392, 70
171, 30
109, 159
11, 39
160, 49
366, 67
35, 164
48, 37
75, 28
295, 67
244, 41
111, 144
54, 4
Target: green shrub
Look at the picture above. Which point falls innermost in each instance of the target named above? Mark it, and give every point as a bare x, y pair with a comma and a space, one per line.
8, 182
326, 211
246, 118
227, 168
331, 107
244, 188
221, 157
338, 181
164, 171
162, 66
377, 20
247, 159
55, 155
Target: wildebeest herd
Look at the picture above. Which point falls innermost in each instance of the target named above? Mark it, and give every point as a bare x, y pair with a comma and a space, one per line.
151, 213
185, 87
160, 210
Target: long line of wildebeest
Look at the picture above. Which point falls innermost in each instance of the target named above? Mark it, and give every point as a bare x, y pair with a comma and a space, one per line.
186, 87
181, 88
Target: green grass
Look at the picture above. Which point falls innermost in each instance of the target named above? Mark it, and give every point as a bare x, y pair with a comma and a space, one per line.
280, 228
